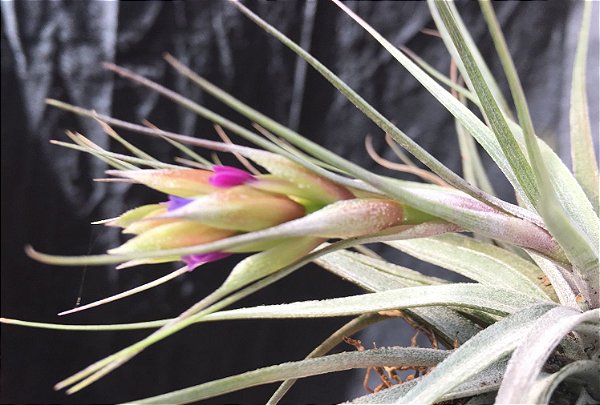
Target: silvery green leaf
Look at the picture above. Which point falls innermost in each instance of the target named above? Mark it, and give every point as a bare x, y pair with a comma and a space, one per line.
510, 148
483, 382
560, 279
474, 296
445, 35
585, 371
481, 262
534, 178
472, 124
585, 165
392, 356
467, 119
569, 194
347, 266
532, 352
447, 323
490, 345
409, 278
580, 227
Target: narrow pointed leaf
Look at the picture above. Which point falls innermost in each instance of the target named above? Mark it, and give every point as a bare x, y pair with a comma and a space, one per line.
490, 345
479, 261
336, 362
562, 185
585, 165
473, 125
447, 323
493, 300
85, 328
485, 71
530, 356
534, 178
473, 169
197, 313
128, 293
440, 77
510, 148
128, 145
485, 381
269, 261
446, 174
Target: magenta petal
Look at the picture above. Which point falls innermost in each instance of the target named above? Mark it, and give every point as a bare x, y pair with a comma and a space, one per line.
226, 176
194, 261
176, 202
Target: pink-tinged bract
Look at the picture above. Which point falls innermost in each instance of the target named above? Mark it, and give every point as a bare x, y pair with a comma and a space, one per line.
194, 261
226, 176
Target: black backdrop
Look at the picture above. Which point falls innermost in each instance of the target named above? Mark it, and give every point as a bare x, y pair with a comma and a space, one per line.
55, 49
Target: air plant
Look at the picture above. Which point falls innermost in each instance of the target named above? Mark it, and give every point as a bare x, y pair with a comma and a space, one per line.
524, 331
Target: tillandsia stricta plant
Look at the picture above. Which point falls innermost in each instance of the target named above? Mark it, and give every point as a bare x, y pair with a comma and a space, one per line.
524, 331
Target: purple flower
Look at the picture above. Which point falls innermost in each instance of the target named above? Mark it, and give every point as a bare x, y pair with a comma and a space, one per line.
176, 202
226, 176
194, 261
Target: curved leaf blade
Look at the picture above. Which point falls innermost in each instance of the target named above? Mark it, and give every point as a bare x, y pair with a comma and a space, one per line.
336, 362
585, 165
403, 139
486, 381
484, 349
560, 279
529, 357
534, 178
467, 119
447, 323
584, 370
510, 148
479, 261
473, 296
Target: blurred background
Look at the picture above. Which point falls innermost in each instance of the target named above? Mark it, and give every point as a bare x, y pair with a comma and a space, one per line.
55, 49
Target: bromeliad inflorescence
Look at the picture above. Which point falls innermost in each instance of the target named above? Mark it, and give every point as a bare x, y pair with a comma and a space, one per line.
204, 206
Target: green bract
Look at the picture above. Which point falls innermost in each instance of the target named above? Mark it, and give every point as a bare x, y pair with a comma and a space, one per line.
534, 266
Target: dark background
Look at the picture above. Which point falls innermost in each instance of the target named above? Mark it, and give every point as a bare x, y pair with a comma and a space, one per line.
55, 49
